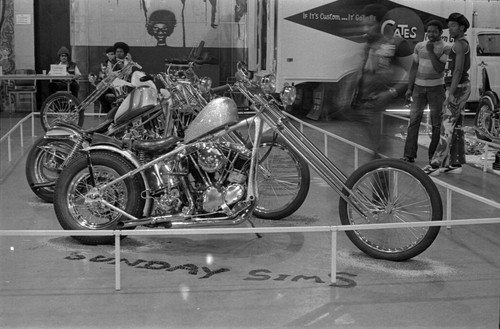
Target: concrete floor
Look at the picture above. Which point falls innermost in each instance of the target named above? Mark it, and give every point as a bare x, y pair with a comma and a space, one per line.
241, 281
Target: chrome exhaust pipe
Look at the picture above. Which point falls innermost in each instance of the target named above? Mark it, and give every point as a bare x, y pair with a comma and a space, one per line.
188, 221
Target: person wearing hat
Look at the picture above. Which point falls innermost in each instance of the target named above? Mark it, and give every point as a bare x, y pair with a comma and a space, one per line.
450, 152
71, 69
110, 54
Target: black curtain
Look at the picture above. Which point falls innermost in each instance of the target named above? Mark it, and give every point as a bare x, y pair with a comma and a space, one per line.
52, 30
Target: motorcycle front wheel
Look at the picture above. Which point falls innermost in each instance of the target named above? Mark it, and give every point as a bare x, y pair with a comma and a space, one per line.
45, 163
77, 204
483, 121
60, 106
394, 192
283, 179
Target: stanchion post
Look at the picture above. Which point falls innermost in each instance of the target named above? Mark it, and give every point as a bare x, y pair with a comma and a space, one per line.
485, 158
448, 206
356, 158
381, 123
117, 260
21, 132
333, 276
32, 124
325, 137
9, 150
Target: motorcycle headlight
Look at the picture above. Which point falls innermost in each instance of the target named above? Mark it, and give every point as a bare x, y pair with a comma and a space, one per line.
268, 83
205, 85
288, 94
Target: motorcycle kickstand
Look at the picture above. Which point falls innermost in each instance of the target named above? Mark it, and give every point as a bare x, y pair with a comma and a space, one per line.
253, 226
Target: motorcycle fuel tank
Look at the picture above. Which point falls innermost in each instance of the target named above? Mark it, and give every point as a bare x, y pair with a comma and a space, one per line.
217, 114
140, 100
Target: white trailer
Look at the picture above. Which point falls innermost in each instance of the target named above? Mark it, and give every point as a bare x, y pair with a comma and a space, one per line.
319, 42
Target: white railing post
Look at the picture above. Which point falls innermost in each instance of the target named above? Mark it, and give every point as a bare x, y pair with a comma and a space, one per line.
325, 137
333, 276
21, 131
32, 124
448, 205
381, 123
356, 157
485, 160
117, 260
9, 151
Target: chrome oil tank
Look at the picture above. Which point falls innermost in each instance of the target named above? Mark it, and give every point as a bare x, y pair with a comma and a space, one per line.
217, 114
140, 100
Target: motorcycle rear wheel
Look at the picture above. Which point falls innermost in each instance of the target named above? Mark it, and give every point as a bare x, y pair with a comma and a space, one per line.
44, 164
78, 208
395, 192
483, 120
283, 180
60, 106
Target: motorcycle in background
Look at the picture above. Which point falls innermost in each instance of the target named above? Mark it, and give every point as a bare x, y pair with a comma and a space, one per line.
281, 180
487, 119
206, 179
63, 106
140, 115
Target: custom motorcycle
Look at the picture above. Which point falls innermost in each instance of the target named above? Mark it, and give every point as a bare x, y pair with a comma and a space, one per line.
183, 98
63, 106
141, 115
487, 119
206, 179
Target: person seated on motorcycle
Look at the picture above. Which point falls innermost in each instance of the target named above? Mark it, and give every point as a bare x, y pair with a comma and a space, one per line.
72, 69
122, 56
108, 97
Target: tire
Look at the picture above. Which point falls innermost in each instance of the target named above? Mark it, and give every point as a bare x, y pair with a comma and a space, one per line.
394, 191
283, 180
483, 120
73, 209
44, 164
60, 106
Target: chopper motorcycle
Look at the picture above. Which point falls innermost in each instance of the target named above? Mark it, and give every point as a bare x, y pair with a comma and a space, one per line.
284, 177
487, 119
206, 180
183, 99
140, 115
63, 106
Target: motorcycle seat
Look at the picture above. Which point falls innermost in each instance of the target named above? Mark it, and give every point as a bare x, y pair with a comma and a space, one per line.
101, 128
68, 125
156, 146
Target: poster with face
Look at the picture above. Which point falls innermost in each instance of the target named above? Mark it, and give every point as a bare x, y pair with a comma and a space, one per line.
159, 23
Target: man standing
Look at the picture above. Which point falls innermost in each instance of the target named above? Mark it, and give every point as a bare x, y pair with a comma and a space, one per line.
379, 75
426, 86
458, 91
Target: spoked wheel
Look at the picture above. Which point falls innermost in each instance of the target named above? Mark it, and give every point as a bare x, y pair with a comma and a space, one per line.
483, 121
283, 179
45, 163
394, 192
61, 106
77, 203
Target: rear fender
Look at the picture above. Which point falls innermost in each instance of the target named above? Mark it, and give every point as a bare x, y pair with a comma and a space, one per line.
492, 96
63, 133
130, 157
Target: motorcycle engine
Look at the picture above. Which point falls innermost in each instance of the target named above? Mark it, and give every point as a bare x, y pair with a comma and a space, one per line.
215, 177
223, 169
